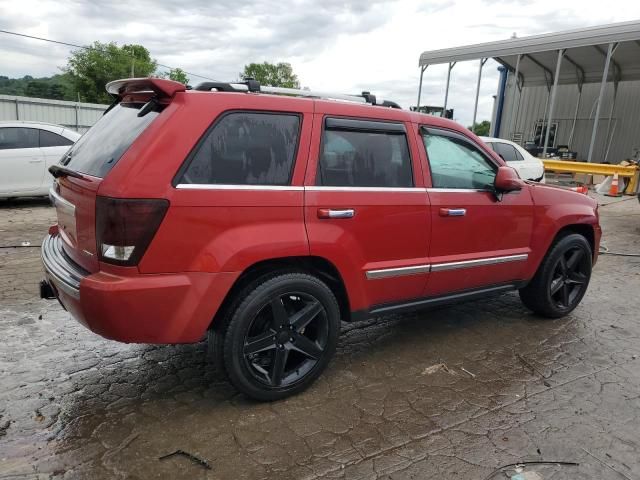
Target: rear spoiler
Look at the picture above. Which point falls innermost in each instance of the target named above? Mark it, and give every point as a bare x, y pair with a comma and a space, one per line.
159, 86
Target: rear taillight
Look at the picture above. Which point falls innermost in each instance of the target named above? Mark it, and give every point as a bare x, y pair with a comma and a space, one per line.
125, 227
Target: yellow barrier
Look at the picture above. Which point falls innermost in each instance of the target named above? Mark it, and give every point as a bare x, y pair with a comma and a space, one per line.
630, 171
592, 168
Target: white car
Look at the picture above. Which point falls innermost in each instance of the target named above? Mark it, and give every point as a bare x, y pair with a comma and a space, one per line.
27, 150
527, 166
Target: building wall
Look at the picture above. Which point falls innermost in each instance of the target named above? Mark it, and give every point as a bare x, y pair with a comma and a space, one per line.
78, 116
624, 128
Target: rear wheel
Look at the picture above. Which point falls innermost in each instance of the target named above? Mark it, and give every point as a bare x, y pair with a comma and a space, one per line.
562, 279
281, 336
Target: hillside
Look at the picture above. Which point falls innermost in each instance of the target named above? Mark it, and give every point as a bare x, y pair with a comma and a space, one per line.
57, 87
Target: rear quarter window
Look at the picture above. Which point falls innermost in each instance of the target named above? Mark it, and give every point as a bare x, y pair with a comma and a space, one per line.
98, 150
245, 148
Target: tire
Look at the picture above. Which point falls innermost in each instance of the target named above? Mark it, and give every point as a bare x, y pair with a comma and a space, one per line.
562, 278
280, 336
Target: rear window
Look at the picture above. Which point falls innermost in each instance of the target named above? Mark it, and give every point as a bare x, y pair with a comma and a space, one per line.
50, 139
101, 147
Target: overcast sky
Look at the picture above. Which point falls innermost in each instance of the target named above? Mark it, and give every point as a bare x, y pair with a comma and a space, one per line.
333, 45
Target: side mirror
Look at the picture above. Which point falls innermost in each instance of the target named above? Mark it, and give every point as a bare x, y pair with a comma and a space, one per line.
507, 180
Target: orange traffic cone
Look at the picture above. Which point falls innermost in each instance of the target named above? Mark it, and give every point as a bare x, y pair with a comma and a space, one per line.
613, 190
581, 189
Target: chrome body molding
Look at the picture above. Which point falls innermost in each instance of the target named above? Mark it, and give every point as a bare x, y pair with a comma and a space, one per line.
397, 272
439, 267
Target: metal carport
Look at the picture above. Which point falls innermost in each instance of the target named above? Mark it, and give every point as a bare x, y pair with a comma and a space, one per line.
588, 55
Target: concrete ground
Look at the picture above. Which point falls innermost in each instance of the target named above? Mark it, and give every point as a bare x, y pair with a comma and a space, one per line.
456, 392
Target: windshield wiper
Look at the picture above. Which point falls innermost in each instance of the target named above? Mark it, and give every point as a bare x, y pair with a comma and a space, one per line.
59, 171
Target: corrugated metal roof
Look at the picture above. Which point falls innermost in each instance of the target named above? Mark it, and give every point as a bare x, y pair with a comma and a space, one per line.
584, 59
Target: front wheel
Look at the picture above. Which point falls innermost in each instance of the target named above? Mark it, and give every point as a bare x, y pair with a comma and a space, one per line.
562, 279
281, 336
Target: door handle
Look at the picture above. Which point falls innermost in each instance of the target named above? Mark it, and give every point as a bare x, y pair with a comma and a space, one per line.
331, 213
453, 212
35, 160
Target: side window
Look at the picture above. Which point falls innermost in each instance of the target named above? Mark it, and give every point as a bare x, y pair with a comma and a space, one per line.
246, 148
507, 152
364, 159
13, 137
456, 163
50, 139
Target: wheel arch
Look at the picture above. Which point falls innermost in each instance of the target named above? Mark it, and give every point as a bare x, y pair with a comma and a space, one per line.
313, 265
543, 243
584, 229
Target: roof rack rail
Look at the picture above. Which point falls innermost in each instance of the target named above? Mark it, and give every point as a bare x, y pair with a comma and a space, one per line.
253, 86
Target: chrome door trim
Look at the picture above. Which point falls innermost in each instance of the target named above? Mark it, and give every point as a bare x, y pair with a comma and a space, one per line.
439, 267
456, 190
314, 188
216, 186
397, 272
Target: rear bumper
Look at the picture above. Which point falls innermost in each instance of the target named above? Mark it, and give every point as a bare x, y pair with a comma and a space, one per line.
137, 308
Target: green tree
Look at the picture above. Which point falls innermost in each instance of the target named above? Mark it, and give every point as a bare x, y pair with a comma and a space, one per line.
175, 74
92, 68
57, 87
481, 129
273, 74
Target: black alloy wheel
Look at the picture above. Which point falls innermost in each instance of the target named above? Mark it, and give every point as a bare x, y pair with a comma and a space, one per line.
286, 339
570, 277
562, 278
280, 335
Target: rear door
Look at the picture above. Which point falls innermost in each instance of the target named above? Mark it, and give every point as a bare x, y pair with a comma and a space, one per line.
366, 209
478, 240
53, 146
21, 160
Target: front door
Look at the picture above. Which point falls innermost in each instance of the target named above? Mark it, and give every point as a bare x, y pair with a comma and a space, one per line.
21, 160
478, 239
366, 208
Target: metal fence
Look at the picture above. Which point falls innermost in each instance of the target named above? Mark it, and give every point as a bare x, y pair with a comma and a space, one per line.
75, 115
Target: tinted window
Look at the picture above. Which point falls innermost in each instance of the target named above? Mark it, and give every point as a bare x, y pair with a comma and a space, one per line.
246, 149
506, 151
456, 163
50, 139
98, 150
364, 159
11, 137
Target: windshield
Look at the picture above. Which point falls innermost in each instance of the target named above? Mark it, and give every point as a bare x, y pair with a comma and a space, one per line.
101, 147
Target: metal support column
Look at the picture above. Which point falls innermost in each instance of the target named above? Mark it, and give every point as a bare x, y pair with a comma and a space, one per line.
603, 84
446, 90
475, 107
552, 102
17, 109
512, 121
422, 69
575, 116
613, 106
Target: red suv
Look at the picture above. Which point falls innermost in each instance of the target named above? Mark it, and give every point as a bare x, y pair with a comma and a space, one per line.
267, 219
